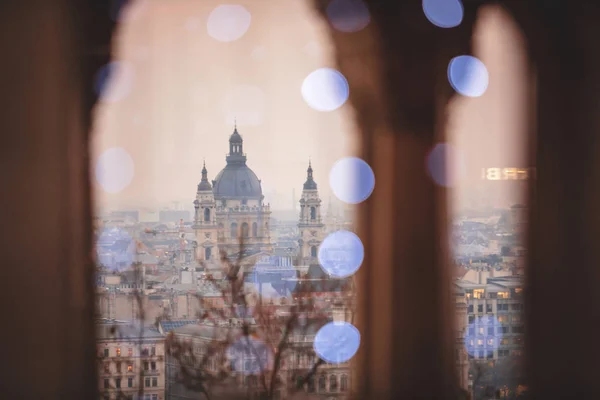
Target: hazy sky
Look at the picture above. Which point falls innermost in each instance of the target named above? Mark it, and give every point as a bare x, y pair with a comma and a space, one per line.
180, 89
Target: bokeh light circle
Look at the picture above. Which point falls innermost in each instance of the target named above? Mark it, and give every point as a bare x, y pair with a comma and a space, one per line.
115, 249
228, 22
348, 15
445, 165
483, 335
444, 13
249, 356
337, 342
325, 89
341, 254
352, 180
114, 81
114, 170
468, 76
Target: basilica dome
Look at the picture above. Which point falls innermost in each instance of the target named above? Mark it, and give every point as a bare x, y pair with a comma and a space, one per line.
236, 180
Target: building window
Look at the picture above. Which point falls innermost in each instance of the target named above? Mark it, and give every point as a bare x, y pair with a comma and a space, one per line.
106, 368
518, 329
153, 351
322, 383
129, 382
146, 365
207, 253
154, 382
118, 383
503, 329
105, 352
344, 383
147, 382
129, 367
254, 229
234, 232
207, 215
478, 293
119, 367
488, 308
130, 352
313, 213
106, 383
471, 318
313, 251
118, 352
245, 230
154, 397
153, 366
311, 384
480, 308
503, 295
470, 308
333, 383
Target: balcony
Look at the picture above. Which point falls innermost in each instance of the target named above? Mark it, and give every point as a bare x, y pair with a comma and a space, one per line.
151, 372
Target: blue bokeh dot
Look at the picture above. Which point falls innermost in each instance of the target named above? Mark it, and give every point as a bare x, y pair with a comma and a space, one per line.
352, 180
468, 76
115, 249
444, 13
341, 254
325, 89
272, 278
483, 336
348, 15
337, 342
445, 165
249, 356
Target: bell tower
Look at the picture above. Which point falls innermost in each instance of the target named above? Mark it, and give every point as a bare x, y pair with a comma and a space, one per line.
310, 224
205, 220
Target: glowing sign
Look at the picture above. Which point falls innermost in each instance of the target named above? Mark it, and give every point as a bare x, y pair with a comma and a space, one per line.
507, 174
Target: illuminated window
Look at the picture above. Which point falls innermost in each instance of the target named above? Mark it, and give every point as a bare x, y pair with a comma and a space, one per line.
479, 342
490, 342
478, 293
504, 342
518, 290
118, 352
130, 368
503, 295
502, 318
481, 331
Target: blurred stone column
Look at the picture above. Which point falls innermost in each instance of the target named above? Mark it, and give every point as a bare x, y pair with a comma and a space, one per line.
50, 49
396, 68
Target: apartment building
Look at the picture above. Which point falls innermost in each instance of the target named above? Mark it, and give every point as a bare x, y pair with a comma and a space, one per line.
130, 361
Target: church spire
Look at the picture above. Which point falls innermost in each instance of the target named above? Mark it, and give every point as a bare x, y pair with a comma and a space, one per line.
236, 148
204, 183
310, 184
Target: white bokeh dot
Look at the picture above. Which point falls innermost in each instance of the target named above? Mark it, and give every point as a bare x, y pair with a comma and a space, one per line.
228, 22
341, 254
114, 81
337, 342
468, 76
244, 105
348, 15
325, 89
352, 180
114, 170
446, 165
444, 13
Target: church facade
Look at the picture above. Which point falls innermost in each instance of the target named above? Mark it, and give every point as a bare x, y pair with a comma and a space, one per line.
230, 211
